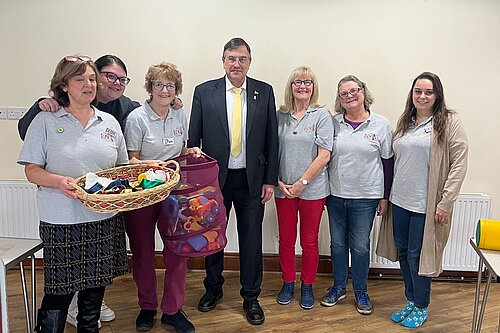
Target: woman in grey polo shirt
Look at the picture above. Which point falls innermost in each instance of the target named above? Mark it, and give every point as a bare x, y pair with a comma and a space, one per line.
83, 250
360, 173
305, 133
430, 149
157, 132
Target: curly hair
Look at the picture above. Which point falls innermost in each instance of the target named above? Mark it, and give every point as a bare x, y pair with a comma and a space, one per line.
164, 70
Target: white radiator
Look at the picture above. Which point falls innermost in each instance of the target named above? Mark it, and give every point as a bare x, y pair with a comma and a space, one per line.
458, 254
18, 212
19, 218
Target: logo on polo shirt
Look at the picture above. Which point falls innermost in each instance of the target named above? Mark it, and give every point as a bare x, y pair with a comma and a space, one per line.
109, 135
310, 128
371, 137
179, 131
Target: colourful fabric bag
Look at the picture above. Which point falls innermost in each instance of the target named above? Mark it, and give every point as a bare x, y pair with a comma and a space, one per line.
194, 211
488, 234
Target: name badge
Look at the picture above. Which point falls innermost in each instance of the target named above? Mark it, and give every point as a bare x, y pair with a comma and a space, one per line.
168, 141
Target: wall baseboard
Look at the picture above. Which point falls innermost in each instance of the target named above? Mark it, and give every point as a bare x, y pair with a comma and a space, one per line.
271, 264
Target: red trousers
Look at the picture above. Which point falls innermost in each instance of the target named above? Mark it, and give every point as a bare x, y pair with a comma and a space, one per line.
140, 225
310, 212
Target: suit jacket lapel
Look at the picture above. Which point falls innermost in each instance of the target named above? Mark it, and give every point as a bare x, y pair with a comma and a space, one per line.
252, 99
219, 98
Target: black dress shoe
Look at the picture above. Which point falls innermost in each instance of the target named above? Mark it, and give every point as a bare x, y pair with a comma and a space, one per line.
145, 320
208, 301
178, 321
255, 315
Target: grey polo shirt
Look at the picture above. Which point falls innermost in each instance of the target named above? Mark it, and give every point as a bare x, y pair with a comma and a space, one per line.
411, 168
153, 137
299, 140
59, 143
355, 170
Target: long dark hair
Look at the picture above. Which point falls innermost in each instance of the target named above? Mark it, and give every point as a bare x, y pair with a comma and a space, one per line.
439, 113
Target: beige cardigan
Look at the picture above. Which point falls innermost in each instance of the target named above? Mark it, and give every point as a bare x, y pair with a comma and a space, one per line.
447, 169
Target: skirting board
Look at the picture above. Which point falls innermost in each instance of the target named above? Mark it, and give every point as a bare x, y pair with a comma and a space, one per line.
271, 264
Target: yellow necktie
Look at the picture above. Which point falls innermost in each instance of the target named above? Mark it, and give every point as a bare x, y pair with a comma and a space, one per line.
236, 124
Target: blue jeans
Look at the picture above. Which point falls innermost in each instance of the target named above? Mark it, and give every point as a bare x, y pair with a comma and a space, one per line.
351, 222
408, 234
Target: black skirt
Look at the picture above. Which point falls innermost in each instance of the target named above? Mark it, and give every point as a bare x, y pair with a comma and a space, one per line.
84, 255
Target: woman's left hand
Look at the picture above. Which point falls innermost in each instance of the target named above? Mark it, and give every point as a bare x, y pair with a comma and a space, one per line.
296, 188
66, 188
382, 207
441, 217
176, 103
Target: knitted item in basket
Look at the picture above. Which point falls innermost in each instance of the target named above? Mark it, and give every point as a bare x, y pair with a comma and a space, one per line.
108, 203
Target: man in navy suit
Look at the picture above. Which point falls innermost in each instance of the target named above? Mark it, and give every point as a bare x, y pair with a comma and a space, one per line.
247, 173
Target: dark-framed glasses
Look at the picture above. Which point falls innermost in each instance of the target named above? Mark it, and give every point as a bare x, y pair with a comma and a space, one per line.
232, 59
82, 58
352, 92
160, 86
298, 83
112, 78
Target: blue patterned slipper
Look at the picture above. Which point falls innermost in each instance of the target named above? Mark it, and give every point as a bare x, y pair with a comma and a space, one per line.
399, 316
416, 318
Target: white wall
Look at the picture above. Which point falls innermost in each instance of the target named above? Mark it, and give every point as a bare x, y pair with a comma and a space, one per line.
386, 43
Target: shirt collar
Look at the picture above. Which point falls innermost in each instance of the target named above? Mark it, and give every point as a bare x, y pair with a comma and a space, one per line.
62, 112
152, 114
342, 120
230, 86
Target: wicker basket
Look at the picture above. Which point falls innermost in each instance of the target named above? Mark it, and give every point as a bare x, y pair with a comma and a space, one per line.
108, 203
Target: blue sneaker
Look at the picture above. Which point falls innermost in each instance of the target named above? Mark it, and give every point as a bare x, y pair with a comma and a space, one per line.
333, 296
286, 293
400, 315
306, 296
363, 304
416, 318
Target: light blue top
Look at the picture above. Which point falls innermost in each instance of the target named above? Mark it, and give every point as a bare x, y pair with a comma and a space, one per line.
60, 144
356, 170
299, 140
411, 168
153, 137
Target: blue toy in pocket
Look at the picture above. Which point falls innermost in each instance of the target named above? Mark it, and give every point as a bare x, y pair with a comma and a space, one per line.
194, 213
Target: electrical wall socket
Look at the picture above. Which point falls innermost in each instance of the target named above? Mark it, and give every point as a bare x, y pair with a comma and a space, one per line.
13, 113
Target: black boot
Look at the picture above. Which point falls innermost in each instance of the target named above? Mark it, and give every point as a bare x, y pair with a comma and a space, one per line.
89, 309
51, 321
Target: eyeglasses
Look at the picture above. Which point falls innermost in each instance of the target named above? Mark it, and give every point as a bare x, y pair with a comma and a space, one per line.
298, 83
232, 59
77, 58
160, 86
112, 78
353, 92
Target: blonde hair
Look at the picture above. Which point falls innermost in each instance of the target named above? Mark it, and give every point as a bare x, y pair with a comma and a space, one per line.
300, 72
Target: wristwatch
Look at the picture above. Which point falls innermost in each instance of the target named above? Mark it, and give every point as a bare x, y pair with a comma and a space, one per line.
304, 181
